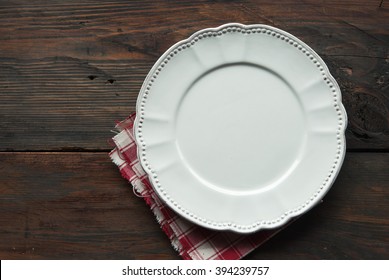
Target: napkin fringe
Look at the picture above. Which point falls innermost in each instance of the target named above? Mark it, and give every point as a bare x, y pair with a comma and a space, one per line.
189, 240
116, 159
173, 240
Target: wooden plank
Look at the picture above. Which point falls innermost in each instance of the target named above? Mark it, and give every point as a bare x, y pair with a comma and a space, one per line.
351, 223
70, 206
76, 206
69, 70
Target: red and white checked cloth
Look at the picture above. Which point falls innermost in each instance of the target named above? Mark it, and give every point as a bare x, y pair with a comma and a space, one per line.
190, 240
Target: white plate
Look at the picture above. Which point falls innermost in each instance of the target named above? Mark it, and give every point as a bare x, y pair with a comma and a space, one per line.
240, 127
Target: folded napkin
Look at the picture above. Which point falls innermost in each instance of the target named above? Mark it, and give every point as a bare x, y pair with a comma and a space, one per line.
190, 240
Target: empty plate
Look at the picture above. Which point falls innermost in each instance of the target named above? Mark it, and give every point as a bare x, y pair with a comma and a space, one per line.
240, 127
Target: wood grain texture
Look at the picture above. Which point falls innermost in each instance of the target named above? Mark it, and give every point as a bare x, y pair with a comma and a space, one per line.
68, 70
73, 206
91, 213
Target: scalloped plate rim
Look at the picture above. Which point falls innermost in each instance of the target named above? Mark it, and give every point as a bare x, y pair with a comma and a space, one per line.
236, 227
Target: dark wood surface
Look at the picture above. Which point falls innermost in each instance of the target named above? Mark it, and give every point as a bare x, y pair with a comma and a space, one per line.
68, 70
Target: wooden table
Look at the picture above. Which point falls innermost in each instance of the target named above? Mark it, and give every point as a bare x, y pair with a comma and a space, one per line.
69, 70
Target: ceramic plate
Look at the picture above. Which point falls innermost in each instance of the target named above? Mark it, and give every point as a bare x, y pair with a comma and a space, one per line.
240, 127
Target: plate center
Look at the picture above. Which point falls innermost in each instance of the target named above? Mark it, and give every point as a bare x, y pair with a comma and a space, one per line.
240, 128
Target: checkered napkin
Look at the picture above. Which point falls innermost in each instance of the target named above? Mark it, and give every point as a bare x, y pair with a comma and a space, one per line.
190, 240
